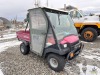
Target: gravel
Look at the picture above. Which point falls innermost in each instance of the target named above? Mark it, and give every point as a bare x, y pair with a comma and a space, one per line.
12, 62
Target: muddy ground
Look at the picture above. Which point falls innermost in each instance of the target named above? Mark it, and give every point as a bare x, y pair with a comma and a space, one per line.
12, 62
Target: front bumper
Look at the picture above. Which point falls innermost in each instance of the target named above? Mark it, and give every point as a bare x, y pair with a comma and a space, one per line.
65, 52
76, 52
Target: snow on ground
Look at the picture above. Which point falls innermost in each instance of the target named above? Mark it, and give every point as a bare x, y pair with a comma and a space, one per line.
84, 42
90, 70
89, 54
87, 42
92, 57
95, 48
5, 45
8, 36
1, 73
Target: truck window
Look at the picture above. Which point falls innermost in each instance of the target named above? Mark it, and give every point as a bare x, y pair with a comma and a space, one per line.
78, 14
75, 14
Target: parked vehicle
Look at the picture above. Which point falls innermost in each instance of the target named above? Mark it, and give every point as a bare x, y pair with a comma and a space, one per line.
88, 26
50, 37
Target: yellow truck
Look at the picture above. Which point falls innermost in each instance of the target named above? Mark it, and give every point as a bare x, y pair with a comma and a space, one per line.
87, 26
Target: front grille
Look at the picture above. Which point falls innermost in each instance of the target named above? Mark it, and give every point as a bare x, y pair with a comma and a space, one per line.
72, 44
75, 45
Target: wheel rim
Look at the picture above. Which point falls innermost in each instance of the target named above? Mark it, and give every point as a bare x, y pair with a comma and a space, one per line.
54, 62
88, 35
22, 50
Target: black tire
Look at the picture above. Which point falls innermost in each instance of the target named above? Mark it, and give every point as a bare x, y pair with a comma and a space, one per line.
60, 60
89, 34
25, 48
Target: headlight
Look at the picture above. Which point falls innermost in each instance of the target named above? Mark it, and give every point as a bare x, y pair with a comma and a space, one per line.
65, 45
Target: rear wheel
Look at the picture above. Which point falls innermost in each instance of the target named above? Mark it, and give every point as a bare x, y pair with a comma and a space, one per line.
89, 34
24, 49
56, 62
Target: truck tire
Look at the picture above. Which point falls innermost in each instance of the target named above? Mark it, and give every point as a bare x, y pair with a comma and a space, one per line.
24, 49
89, 34
56, 62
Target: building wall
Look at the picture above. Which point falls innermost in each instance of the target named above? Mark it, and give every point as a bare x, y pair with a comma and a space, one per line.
1, 22
6, 23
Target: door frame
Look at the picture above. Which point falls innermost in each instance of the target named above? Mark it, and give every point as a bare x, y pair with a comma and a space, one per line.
42, 12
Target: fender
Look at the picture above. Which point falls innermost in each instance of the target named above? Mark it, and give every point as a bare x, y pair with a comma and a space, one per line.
52, 50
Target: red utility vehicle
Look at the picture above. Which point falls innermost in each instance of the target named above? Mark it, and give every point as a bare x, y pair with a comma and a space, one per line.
51, 35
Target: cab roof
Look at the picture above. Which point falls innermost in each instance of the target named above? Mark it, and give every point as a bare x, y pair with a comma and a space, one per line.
50, 9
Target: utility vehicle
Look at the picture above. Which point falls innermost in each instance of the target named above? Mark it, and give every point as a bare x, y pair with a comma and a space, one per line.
51, 35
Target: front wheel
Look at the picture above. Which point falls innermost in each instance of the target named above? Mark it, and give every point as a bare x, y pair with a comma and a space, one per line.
56, 62
89, 34
24, 49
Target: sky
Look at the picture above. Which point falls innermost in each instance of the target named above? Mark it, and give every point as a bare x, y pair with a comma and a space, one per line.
11, 9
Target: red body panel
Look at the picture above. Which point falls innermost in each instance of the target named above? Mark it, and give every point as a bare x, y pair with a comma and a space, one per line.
70, 39
24, 35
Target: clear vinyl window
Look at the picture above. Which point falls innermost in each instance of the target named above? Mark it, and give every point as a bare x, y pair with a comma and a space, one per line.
37, 20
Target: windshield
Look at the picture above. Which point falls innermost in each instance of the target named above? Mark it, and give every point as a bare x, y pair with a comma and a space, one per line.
62, 25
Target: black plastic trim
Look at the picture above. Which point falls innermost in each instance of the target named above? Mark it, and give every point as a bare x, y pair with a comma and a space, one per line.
56, 51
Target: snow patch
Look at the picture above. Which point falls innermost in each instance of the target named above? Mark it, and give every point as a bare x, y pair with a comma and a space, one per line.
8, 36
97, 49
5, 45
92, 43
90, 54
90, 70
84, 42
92, 57
1, 73
87, 42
